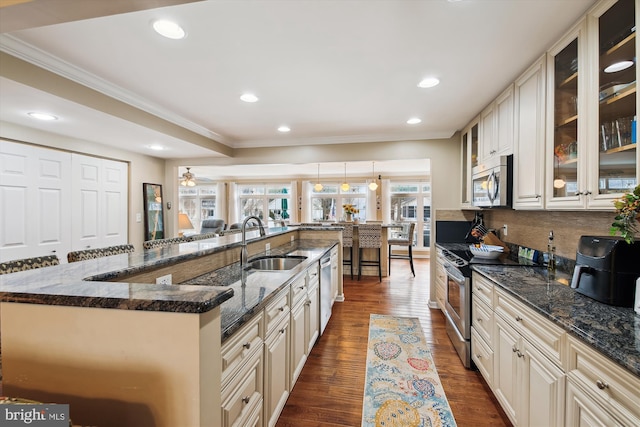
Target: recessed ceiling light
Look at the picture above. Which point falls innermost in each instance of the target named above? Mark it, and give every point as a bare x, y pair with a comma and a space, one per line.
169, 29
284, 129
429, 82
618, 66
155, 147
42, 116
249, 97
414, 121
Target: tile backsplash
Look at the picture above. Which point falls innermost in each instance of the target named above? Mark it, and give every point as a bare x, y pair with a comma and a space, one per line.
531, 228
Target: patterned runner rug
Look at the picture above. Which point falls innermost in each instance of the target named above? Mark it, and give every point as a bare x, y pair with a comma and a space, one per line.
402, 386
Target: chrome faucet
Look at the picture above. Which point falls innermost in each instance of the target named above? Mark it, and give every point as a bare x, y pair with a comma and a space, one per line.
243, 253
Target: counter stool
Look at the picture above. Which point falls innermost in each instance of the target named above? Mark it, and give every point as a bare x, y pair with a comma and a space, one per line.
76, 256
28, 264
369, 237
347, 242
405, 238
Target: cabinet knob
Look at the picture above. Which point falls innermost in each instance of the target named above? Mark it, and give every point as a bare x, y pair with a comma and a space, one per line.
247, 345
518, 319
478, 356
246, 399
282, 330
514, 349
602, 385
519, 353
538, 196
281, 308
308, 302
479, 320
301, 287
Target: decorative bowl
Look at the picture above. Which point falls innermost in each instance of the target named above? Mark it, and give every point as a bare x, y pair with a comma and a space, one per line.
486, 251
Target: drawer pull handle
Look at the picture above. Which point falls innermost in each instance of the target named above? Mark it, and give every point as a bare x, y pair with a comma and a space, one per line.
246, 399
519, 353
514, 349
281, 308
602, 385
247, 345
518, 319
479, 319
282, 330
307, 303
300, 287
478, 356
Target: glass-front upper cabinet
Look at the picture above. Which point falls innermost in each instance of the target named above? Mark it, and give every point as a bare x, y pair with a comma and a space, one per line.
617, 165
566, 136
466, 171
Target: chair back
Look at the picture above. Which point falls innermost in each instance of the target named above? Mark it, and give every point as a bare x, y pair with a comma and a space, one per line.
161, 243
212, 226
347, 233
86, 254
370, 235
204, 236
28, 264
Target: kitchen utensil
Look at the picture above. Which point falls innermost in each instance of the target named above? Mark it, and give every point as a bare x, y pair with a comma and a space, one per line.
486, 251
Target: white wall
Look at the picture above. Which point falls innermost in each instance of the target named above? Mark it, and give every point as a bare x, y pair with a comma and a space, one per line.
141, 168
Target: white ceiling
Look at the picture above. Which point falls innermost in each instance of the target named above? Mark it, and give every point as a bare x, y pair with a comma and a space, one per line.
334, 71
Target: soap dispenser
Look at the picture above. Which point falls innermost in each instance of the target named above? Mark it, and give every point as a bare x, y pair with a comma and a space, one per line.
551, 253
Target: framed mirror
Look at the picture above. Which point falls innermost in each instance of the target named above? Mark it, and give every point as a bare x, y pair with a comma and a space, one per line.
153, 214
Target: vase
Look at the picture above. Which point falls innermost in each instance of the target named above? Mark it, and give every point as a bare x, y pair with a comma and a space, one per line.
348, 217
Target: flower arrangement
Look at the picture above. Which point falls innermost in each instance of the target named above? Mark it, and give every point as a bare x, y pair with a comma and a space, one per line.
350, 209
627, 215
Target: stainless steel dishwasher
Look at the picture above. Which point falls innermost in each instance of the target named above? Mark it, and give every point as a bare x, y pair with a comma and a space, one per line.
325, 291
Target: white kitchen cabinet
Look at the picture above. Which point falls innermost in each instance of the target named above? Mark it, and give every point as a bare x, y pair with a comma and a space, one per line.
470, 159
519, 354
496, 127
242, 397
298, 342
441, 283
528, 163
609, 392
335, 274
312, 315
592, 159
276, 380
277, 356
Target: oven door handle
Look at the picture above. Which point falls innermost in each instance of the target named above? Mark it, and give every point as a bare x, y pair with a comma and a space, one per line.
455, 274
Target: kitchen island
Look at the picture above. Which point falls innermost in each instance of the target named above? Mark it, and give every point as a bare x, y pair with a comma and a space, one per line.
125, 352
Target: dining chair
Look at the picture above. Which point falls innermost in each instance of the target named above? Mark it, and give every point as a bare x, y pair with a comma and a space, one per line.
404, 238
369, 237
75, 256
17, 265
347, 243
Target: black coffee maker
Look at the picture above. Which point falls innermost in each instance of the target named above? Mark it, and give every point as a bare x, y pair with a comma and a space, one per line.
607, 269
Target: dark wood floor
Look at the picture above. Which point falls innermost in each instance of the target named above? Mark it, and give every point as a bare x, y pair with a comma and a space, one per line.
329, 390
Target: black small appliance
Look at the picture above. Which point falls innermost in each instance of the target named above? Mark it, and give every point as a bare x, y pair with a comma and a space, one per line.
607, 269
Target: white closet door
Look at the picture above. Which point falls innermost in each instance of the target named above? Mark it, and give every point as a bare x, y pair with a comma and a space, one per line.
86, 202
35, 210
115, 196
100, 202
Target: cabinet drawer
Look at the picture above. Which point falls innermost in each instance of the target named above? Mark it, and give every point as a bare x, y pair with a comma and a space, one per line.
544, 335
482, 355
277, 310
608, 383
241, 346
313, 275
241, 397
298, 291
482, 320
441, 273
482, 289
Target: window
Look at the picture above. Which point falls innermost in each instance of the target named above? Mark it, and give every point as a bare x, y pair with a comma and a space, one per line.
199, 203
326, 205
411, 202
269, 202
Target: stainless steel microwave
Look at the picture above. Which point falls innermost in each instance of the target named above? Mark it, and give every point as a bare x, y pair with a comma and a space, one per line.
492, 183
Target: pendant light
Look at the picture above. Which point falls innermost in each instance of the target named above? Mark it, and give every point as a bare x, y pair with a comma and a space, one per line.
373, 185
345, 184
188, 179
318, 187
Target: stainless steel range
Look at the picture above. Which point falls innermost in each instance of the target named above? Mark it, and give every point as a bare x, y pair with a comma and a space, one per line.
457, 260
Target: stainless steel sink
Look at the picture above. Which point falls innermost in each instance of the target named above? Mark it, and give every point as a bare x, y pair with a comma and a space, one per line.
278, 262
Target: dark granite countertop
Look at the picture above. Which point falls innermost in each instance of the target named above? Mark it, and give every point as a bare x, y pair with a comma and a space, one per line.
613, 331
252, 290
83, 284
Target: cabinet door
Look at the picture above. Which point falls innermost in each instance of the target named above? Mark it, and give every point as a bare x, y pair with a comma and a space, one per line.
566, 140
312, 317
583, 411
505, 371
466, 168
276, 369
488, 132
614, 158
528, 174
542, 399
298, 342
504, 122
